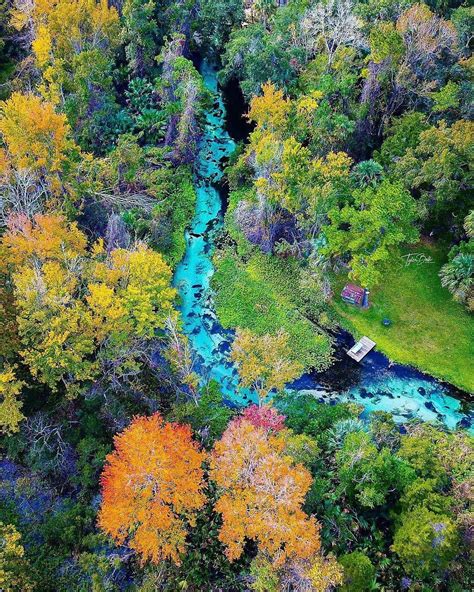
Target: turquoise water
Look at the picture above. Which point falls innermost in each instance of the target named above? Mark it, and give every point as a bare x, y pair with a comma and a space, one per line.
376, 383
208, 339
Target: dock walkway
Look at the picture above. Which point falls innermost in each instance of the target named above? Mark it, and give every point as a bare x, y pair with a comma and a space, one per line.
359, 350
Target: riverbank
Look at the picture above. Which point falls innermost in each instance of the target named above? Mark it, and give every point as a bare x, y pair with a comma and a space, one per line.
222, 287
428, 329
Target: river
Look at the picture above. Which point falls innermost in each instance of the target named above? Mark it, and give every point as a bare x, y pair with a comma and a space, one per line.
376, 383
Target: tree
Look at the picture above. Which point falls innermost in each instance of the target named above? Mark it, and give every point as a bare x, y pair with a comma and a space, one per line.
152, 488
426, 493
386, 44
440, 167
84, 313
264, 362
216, 21
301, 448
10, 405
458, 277
367, 172
447, 98
14, 568
139, 31
43, 238
35, 136
73, 44
287, 179
367, 475
21, 192
265, 417
436, 454
425, 542
261, 492
458, 274
207, 415
359, 573
182, 94
180, 356
58, 31
368, 232
333, 24
256, 54
317, 574
403, 133
463, 19
270, 110
427, 37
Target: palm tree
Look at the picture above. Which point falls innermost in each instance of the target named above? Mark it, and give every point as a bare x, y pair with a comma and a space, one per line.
458, 276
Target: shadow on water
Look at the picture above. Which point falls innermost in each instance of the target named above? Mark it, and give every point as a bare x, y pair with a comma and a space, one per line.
237, 124
381, 385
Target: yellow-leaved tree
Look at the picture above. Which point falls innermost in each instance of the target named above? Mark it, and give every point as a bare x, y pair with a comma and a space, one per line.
14, 568
10, 404
37, 155
264, 362
35, 137
60, 30
82, 312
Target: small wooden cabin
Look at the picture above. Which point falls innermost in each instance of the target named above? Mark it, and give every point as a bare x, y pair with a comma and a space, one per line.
355, 295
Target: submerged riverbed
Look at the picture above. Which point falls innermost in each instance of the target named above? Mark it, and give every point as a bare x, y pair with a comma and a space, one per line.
375, 383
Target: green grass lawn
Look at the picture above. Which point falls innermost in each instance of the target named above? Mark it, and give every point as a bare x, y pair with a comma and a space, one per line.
429, 330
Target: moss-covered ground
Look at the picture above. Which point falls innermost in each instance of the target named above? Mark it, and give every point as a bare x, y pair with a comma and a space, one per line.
263, 294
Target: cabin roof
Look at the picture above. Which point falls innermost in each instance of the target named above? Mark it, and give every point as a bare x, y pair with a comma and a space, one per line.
353, 293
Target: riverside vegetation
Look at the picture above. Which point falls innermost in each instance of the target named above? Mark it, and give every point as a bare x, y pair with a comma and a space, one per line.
185, 187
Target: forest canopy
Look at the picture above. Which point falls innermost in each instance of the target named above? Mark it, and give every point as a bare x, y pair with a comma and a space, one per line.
187, 188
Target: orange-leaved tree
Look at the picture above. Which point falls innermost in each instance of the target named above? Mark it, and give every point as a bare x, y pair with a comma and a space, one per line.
152, 488
261, 492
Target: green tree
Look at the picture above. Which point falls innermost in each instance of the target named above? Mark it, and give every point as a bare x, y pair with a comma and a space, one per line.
441, 168
370, 476
359, 573
426, 493
458, 277
403, 133
386, 43
425, 542
139, 33
458, 274
208, 416
183, 95
368, 232
216, 20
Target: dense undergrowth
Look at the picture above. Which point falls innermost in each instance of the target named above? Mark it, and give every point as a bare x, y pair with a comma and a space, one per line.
121, 469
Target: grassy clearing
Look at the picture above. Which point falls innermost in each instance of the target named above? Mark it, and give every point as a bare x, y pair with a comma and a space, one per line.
429, 330
262, 295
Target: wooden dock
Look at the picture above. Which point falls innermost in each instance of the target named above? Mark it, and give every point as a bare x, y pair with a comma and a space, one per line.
359, 350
